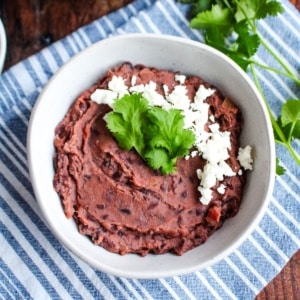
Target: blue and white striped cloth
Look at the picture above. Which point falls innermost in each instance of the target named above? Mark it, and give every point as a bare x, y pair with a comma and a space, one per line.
33, 264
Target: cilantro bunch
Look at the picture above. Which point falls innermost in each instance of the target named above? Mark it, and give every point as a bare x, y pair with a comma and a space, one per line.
157, 135
231, 27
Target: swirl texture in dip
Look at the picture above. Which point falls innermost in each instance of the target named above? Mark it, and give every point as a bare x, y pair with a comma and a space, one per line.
122, 204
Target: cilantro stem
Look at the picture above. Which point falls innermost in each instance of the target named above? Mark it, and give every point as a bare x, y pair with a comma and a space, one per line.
293, 153
228, 6
283, 141
253, 27
291, 131
291, 76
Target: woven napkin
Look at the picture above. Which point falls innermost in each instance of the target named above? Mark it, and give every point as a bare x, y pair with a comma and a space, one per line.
33, 263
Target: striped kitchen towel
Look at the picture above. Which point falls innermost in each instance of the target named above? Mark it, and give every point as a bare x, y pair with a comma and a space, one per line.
34, 265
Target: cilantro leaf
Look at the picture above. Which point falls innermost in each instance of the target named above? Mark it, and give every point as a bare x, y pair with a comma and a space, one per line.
245, 10
296, 130
158, 158
215, 38
247, 43
289, 124
291, 130
241, 50
126, 119
290, 112
284, 130
257, 9
157, 135
216, 17
200, 6
165, 132
280, 170
266, 8
239, 58
290, 118
217, 23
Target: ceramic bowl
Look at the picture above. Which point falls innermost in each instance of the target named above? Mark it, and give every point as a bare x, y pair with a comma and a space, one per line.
164, 52
2, 45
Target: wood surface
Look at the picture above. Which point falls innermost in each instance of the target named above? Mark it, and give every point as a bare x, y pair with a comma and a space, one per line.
33, 24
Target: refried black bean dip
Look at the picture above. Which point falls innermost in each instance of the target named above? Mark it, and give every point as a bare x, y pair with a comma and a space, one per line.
124, 205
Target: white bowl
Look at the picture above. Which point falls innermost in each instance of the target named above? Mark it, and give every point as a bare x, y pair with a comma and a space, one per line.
2, 45
172, 53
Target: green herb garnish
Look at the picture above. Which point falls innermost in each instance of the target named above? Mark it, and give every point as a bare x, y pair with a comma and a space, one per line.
156, 134
125, 122
231, 27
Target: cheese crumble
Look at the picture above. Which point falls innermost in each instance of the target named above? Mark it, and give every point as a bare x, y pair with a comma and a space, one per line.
245, 158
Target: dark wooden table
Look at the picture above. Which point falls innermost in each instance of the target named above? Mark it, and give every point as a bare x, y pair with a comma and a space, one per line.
31, 25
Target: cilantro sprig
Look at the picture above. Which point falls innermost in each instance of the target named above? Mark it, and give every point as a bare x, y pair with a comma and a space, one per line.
157, 135
231, 27
125, 122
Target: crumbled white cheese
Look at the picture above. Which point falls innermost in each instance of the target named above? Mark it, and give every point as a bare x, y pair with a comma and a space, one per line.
116, 88
221, 189
217, 147
180, 78
215, 150
102, 96
196, 119
227, 171
149, 92
166, 89
203, 93
206, 195
178, 98
194, 153
214, 172
133, 80
140, 88
118, 85
214, 128
209, 175
245, 158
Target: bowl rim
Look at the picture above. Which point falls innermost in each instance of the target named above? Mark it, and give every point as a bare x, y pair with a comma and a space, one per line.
163, 273
3, 45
